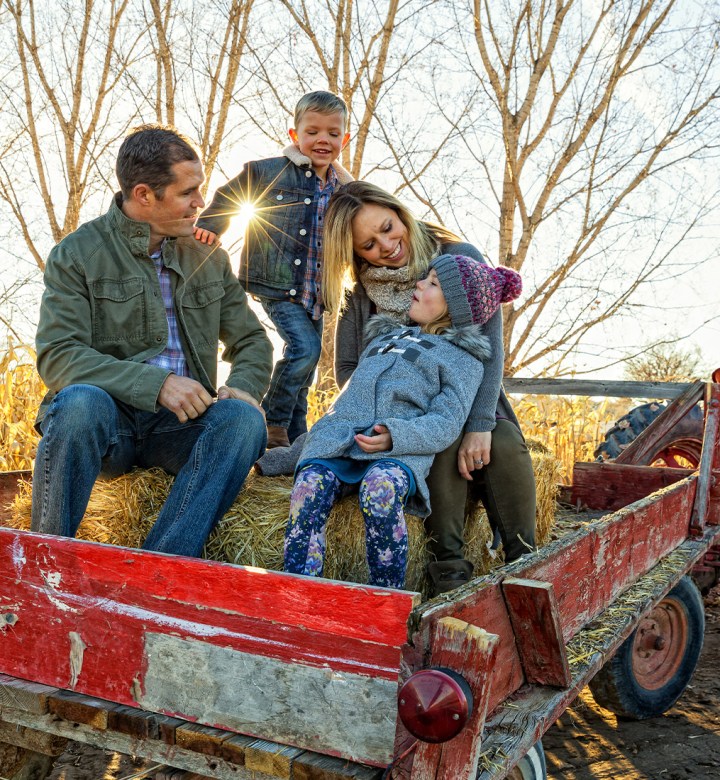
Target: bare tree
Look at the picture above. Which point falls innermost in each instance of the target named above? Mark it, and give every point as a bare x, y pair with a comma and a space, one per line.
665, 363
198, 56
594, 122
61, 110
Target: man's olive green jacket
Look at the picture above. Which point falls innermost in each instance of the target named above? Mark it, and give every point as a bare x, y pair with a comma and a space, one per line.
102, 314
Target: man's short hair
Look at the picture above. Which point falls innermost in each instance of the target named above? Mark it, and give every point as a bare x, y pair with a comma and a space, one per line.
147, 156
322, 102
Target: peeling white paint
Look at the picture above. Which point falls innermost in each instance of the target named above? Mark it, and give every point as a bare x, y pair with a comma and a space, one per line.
52, 578
18, 557
77, 653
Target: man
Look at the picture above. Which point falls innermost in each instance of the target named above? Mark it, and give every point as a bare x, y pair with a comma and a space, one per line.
127, 344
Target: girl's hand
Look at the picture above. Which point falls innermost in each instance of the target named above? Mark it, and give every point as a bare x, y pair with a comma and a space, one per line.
380, 442
474, 453
205, 236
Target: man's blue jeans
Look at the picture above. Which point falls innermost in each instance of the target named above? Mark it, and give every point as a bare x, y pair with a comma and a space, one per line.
86, 432
285, 402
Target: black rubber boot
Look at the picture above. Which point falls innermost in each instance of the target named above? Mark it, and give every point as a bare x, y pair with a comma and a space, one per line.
448, 575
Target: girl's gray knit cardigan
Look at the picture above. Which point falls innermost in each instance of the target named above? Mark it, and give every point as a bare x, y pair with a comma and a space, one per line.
420, 386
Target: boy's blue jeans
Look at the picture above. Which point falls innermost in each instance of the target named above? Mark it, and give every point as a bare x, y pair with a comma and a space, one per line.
285, 402
86, 432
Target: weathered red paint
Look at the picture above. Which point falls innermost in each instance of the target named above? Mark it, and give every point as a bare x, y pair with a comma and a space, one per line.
110, 597
537, 624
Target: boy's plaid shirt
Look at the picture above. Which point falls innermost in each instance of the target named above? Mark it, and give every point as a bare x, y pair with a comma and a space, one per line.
311, 298
172, 358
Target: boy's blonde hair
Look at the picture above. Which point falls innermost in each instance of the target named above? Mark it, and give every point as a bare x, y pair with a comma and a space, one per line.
340, 264
322, 102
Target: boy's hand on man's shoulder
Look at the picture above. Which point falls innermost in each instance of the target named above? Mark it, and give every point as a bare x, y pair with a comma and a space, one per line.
206, 236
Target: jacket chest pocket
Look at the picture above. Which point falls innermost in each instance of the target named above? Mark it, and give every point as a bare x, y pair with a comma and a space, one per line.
280, 224
119, 311
201, 306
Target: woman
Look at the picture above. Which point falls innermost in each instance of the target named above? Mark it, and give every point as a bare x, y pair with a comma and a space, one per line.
376, 248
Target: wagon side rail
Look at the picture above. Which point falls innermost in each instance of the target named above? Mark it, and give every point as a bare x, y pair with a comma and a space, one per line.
543, 610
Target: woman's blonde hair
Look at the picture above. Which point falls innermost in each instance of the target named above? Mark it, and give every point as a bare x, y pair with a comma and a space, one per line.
340, 264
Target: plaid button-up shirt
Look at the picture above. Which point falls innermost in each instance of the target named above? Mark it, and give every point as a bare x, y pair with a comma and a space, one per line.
172, 358
311, 297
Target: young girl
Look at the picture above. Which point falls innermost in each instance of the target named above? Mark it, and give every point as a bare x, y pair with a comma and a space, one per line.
408, 399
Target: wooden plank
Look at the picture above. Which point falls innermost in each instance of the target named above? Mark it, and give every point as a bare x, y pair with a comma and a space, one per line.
276, 760
707, 499
646, 441
77, 708
593, 387
537, 624
214, 742
314, 766
24, 695
154, 750
587, 570
110, 616
31, 739
470, 651
513, 728
611, 486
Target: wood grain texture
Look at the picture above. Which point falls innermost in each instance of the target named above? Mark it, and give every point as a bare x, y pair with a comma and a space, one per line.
590, 387
98, 605
536, 620
707, 501
611, 486
470, 651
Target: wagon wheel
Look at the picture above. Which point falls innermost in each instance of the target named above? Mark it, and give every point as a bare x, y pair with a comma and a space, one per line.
531, 766
19, 764
679, 448
651, 669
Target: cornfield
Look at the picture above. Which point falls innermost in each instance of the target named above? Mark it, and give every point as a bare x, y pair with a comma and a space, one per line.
568, 428
21, 391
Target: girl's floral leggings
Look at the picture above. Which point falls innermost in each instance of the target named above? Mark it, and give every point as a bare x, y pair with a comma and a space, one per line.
382, 493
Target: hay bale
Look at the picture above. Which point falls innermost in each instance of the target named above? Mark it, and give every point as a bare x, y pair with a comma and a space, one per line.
122, 510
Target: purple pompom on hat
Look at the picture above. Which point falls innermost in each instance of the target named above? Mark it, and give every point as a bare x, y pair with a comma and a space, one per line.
474, 290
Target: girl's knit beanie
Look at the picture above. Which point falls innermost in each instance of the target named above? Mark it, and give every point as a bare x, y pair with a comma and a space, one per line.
474, 290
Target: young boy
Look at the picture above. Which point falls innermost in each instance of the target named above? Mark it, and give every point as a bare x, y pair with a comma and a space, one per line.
281, 257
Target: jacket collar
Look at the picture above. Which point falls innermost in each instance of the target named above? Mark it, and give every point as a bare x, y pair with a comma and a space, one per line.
298, 158
137, 233
469, 337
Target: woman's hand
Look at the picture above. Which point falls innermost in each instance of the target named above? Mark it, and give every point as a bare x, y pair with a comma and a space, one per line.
381, 441
474, 452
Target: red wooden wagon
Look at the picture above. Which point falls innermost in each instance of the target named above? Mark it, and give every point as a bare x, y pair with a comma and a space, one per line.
235, 672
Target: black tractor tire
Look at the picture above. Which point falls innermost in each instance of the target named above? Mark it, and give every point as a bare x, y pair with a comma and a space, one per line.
643, 682
632, 424
531, 766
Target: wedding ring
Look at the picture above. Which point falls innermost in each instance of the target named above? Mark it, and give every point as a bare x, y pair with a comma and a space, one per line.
478, 462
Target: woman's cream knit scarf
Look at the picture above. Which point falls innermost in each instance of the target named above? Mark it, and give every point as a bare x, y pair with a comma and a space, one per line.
390, 289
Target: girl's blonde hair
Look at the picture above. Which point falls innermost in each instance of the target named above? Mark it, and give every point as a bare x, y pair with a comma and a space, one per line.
340, 264
441, 323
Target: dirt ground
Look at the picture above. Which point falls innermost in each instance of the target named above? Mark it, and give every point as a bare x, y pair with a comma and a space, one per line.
587, 743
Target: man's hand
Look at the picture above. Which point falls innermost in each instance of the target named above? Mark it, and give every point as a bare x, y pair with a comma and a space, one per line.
240, 395
183, 396
206, 236
380, 442
474, 452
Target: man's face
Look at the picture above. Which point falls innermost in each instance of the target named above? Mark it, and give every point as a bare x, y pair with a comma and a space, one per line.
174, 214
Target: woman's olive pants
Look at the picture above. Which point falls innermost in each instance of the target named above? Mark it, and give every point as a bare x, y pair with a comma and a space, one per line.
506, 487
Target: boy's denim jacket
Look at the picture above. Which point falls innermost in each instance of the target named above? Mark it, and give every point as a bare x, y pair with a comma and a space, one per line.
275, 250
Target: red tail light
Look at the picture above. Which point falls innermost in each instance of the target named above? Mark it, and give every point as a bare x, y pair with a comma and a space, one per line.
435, 704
